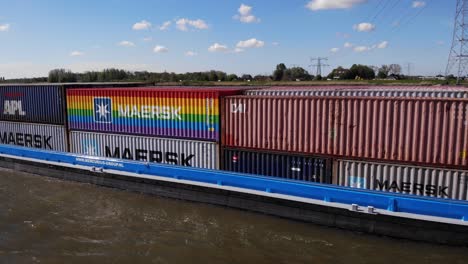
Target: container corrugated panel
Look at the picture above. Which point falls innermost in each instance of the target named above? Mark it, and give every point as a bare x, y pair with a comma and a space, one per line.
369, 87
423, 181
394, 92
190, 153
283, 165
164, 112
41, 136
410, 130
32, 103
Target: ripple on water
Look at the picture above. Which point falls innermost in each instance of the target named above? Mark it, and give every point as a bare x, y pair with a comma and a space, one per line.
52, 221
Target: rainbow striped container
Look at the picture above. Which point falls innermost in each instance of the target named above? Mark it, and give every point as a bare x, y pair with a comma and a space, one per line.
191, 113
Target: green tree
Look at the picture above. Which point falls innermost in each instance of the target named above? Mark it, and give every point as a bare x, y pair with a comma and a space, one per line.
278, 74
246, 77
395, 69
61, 75
298, 73
382, 74
340, 73
231, 77
362, 71
213, 77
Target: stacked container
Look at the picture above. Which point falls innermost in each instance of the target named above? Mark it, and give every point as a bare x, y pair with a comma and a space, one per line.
369, 91
33, 116
422, 136
179, 126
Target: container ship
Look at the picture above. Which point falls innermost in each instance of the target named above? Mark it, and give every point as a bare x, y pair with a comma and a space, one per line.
387, 160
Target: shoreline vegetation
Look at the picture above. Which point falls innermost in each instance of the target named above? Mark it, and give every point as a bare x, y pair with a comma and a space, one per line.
266, 83
281, 76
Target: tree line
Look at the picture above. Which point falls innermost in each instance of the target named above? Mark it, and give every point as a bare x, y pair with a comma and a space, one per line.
280, 73
116, 75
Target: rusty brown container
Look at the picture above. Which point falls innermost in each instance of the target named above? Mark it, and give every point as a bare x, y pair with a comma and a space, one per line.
410, 130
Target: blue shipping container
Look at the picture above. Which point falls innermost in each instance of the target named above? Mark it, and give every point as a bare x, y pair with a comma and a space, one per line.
283, 165
33, 103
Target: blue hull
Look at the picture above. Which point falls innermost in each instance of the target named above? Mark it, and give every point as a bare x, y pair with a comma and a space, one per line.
397, 215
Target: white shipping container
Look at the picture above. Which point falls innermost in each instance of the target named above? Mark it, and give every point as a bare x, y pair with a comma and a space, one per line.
190, 153
423, 181
40, 136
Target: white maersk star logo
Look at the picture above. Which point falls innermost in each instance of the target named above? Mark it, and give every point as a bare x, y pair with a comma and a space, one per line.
102, 110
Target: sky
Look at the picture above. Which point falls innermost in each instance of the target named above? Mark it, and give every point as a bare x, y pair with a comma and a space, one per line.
229, 35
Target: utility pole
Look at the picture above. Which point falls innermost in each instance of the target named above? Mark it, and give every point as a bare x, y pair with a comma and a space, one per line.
458, 58
319, 64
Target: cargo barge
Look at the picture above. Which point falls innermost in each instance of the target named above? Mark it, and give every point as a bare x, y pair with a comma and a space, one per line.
394, 215
367, 160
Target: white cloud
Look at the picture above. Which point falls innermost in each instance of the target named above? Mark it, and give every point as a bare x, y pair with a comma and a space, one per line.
364, 27
245, 14
190, 53
315, 5
244, 10
142, 25
4, 27
76, 53
248, 19
126, 43
184, 23
334, 50
348, 45
362, 48
238, 50
165, 25
160, 49
250, 43
147, 39
382, 45
440, 43
275, 43
217, 47
419, 4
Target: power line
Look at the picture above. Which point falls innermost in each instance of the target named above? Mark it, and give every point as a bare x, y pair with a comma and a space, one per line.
390, 9
411, 19
403, 16
378, 19
376, 8
319, 64
458, 57
380, 11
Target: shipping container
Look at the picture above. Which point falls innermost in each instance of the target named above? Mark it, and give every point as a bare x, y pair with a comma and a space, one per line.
200, 154
41, 136
32, 103
191, 113
390, 91
282, 165
368, 87
425, 181
409, 130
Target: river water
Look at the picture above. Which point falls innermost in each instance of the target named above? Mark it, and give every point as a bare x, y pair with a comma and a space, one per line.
44, 220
